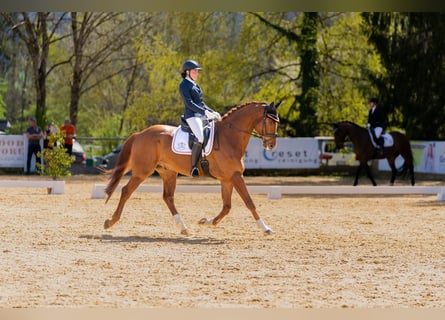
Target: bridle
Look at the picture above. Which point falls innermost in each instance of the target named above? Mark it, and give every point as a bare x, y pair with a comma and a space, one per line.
344, 135
265, 136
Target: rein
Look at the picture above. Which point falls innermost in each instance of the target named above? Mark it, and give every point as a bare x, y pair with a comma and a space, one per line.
251, 133
254, 133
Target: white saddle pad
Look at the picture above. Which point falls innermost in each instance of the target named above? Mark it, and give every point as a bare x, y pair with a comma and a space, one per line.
388, 141
180, 142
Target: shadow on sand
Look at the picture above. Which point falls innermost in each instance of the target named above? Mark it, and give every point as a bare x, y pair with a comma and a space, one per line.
140, 239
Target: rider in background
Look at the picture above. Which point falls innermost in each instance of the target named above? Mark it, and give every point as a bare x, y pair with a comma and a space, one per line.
195, 109
376, 121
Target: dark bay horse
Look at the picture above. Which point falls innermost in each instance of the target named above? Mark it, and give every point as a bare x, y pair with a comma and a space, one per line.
150, 150
365, 150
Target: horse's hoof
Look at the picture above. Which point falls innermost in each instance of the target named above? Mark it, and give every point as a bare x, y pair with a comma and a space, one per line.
185, 232
268, 232
206, 222
107, 224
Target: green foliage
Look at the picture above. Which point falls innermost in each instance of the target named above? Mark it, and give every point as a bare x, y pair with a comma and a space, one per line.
57, 161
322, 66
411, 46
346, 59
310, 74
2, 92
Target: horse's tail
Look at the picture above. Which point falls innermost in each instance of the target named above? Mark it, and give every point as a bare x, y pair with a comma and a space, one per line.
121, 167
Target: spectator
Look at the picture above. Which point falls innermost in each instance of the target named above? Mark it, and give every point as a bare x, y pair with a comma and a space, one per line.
50, 130
69, 134
34, 134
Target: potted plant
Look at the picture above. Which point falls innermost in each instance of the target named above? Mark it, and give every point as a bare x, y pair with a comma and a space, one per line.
57, 162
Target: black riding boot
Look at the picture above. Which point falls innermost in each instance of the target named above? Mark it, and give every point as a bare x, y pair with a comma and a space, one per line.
196, 154
380, 143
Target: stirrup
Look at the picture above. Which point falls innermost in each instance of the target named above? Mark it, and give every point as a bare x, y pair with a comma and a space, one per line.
194, 172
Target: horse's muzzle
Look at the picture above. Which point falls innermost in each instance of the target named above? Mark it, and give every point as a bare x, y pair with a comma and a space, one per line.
269, 145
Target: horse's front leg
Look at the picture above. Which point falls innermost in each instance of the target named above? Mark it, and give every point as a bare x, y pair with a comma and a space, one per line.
369, 174
226, 194
357, 174
241, 188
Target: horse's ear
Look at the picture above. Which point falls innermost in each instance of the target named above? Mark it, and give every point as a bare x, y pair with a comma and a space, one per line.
278, 104
334, 126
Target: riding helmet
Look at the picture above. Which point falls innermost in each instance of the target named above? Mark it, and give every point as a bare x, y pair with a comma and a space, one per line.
190, 65
373, 100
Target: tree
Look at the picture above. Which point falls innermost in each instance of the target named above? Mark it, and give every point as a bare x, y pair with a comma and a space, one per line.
412, 48
346, 60
304, 39
38, 31
99, 40
115, 74
215, 41
328, 68
310, 73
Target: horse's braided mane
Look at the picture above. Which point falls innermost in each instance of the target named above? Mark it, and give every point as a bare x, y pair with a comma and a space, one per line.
236, 108
351, 123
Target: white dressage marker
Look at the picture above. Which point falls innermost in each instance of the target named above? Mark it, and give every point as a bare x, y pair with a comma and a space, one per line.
57, 187
275, 192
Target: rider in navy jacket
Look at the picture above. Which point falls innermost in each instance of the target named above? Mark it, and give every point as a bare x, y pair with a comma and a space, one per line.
195, 109
376, 121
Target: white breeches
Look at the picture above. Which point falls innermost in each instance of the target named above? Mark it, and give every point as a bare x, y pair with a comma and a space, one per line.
195, 123
378, 132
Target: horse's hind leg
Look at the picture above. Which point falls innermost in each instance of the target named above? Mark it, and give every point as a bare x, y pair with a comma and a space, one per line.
357, 174
392, 165
126, 192
226, 194
169, 182
411, 173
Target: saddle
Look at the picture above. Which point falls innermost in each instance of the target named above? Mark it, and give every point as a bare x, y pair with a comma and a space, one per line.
388, 140
183, 138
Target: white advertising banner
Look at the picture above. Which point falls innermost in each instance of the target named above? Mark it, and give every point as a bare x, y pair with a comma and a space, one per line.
12, 151
289, 153
429, 157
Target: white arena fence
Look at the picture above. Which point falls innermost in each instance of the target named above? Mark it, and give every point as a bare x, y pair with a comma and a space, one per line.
276, 192
289, 153
53, 186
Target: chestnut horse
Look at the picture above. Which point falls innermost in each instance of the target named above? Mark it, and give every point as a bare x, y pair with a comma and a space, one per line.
151, 150
365, 151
